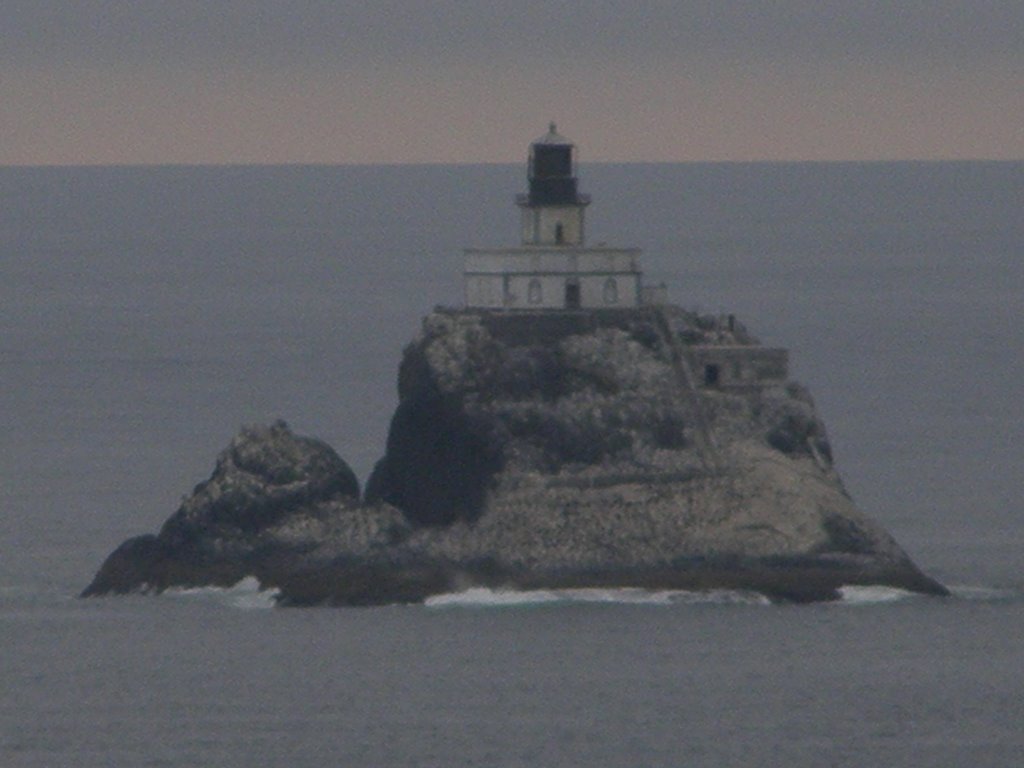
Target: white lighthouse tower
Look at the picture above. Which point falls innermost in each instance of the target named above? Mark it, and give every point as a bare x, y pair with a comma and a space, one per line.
552, 268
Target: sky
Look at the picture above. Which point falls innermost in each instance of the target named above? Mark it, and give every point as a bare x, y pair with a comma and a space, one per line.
443, 81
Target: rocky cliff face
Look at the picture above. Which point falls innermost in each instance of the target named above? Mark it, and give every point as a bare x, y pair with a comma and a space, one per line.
550, 449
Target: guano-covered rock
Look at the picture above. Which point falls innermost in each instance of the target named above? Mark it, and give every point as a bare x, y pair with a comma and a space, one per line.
646, 447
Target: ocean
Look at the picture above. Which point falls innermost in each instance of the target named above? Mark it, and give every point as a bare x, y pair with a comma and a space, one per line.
146, 313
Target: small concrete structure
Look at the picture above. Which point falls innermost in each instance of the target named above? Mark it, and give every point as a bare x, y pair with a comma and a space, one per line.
552, 268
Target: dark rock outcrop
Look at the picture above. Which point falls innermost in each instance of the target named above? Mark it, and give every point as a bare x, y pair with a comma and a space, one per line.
279, 507
566, 449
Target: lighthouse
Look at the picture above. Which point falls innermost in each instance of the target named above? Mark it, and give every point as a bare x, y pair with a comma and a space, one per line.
552, 268
552, 210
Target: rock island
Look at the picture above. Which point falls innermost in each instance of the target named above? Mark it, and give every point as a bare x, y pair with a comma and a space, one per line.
565, 428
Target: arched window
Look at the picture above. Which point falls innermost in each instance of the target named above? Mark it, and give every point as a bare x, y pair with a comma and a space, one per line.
534, 294
611, 291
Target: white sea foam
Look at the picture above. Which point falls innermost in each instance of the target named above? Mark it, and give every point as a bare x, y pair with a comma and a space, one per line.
481, 597
721, 597
877, 594
873, 595
246, 594
985, 594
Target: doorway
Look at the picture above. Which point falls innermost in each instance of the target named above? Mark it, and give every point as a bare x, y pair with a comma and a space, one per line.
572, 295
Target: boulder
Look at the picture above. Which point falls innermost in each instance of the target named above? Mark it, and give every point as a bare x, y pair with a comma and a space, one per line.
276, 505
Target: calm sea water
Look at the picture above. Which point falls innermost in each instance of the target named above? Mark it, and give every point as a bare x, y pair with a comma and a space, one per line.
147, 313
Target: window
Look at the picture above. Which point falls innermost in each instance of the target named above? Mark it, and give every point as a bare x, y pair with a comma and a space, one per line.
534, 294
559, 233
611, 291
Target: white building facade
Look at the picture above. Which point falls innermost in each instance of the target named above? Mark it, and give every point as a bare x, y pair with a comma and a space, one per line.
552, 268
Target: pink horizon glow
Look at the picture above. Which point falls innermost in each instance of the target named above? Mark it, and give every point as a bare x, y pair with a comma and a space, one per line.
90, 117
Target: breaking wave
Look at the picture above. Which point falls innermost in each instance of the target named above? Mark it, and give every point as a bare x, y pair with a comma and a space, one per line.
246, 594
482, 597
876, 595
873, 595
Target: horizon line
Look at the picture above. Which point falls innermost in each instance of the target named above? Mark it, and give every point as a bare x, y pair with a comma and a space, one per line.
485, 163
